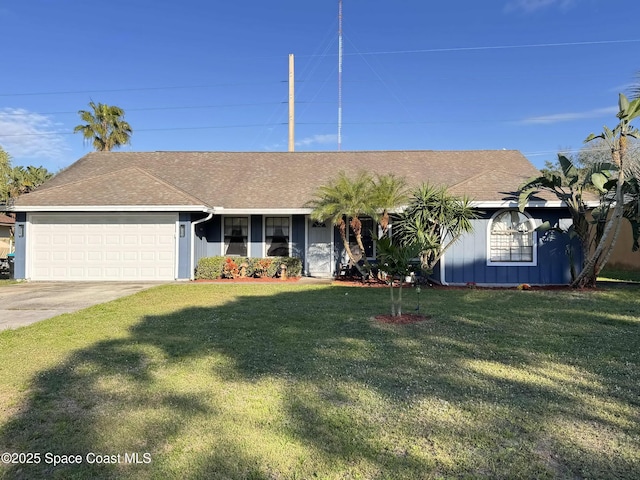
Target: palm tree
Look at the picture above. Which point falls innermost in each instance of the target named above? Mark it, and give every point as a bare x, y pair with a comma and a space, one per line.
5, 175
26, 179
436, 220
104, 127
389, 192
345, 200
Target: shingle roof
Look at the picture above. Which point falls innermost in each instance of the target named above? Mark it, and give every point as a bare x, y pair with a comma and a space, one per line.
246, 180
6, 220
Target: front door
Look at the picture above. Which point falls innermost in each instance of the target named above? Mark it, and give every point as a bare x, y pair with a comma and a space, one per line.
319, 255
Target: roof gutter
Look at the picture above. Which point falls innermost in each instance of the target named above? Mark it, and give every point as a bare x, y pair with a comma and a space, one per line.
529, 204
109, 208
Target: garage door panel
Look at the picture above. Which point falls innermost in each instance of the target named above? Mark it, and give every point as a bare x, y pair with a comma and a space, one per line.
112, 240
59, 256
113, 256
147, 256
103, 247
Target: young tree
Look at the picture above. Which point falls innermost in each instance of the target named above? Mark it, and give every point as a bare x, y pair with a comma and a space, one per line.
104, 126
397, 262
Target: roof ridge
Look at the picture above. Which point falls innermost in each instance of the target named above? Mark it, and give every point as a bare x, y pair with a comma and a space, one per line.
484, 172
93, 177
131, 167
466, 180
171, 186
489, 150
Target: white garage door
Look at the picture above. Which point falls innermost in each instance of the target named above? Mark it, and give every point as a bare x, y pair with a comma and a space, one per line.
102, 246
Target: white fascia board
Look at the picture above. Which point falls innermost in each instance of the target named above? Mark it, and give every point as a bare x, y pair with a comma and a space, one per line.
514, 204
262, 211
112, 208
532, 204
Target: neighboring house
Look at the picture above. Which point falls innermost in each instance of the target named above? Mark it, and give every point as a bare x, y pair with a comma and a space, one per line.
153, 215
623, 257
6, 239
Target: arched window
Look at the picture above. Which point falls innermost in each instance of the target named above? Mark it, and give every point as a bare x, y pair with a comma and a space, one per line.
512, 239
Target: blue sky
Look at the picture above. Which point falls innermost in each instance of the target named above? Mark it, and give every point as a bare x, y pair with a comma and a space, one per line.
531, 75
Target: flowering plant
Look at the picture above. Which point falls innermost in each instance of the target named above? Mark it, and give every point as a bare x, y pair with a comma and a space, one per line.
230, 269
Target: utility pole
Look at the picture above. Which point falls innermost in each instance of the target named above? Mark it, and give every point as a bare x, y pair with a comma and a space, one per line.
291, 105
339, 75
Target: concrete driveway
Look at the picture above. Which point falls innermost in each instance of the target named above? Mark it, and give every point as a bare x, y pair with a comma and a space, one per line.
25, 303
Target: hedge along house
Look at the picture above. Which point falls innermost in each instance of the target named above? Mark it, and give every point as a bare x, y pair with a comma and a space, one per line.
153, 215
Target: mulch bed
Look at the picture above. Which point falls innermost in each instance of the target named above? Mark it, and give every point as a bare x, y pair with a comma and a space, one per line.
251, 280
375, 283
359, 283
404, 319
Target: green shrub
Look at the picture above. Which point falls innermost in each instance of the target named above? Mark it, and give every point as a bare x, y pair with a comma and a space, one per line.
294, 266
245, 267
261, 266
209, 268
212, 268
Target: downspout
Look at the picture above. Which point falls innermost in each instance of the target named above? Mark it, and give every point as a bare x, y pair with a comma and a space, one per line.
193, 242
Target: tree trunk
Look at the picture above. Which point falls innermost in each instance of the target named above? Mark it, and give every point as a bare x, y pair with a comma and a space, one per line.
356, 226
343, 236
599, 266
589, 273
393, 300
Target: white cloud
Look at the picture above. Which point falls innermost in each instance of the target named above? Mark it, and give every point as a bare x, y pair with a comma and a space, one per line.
25, 134
529, 6
570, 116
317, 140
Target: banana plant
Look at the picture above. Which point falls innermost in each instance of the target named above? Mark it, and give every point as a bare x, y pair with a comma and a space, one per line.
618, 141
596, 227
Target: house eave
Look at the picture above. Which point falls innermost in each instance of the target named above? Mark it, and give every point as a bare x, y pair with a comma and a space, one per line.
532, 204
111, 208
262, 211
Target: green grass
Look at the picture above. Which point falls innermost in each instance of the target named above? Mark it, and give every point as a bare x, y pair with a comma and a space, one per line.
617, 275
289, 381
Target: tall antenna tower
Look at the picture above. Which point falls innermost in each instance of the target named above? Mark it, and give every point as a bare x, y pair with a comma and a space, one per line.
339, 75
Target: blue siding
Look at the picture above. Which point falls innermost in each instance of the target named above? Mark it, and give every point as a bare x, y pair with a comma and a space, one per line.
466, 261
298, 246
20, 258
184, 247
255, 243
208, 237
207, 240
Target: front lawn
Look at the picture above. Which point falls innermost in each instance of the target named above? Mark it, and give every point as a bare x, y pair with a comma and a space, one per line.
289, 381
619, 275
